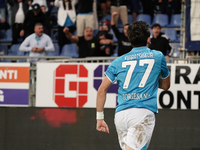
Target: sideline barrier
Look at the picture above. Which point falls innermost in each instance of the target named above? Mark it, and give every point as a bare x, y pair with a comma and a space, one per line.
185, 96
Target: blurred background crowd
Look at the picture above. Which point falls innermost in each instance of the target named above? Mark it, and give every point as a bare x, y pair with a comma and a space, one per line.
95, 27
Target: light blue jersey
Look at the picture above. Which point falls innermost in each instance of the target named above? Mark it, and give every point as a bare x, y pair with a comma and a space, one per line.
137, 74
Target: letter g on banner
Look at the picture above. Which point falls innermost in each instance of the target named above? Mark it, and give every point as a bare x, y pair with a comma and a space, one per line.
71, 87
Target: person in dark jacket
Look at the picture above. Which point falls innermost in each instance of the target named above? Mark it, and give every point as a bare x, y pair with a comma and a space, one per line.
160, 42
124, 46
19, 10
32, 17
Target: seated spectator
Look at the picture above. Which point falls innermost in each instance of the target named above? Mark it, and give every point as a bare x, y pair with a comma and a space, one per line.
160, 42
119, 6
19, 10
88, 45
66, 18
37, 43
124, 46
32, 17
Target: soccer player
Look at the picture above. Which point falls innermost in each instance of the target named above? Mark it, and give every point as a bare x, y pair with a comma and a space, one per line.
139, 73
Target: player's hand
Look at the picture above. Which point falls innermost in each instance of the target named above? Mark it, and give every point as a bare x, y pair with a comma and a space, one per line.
34, 49
66, 30
102, 126
114, 14
21, 33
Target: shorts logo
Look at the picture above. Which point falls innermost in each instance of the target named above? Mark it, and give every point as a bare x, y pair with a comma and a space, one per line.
71, 87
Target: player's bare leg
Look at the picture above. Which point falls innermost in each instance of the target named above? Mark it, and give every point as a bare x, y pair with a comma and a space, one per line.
128, 148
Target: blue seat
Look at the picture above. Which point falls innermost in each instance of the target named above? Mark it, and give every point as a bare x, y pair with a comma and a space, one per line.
7, 37
176, 52
130, 19
144, 17
70, 50
54, 10
3, 49
171, 33
54, 36
107, 17
161, 19
14, 51
175, 21
56, 52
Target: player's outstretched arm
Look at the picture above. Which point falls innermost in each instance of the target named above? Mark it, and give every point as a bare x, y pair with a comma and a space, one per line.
101, 98
164, 83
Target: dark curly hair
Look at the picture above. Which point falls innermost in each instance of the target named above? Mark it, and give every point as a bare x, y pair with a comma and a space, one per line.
138, 33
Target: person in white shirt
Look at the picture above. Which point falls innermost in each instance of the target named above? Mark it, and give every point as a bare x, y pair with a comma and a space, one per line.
37, 43
19, 10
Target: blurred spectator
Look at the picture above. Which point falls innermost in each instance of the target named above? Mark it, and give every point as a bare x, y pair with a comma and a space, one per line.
105, 49
105, 29
124, 46
37, 43
66, 18
103, 33
119, 6
85, 17
3, 25
19, 10
160, 42
3, 10
170, 7
134, 7
40, 2
88, 45
32, 17
177, 6
105, 7
148, 7
51, 20
166, 7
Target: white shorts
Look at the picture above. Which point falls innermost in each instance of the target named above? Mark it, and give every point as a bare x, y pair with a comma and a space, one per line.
134, 127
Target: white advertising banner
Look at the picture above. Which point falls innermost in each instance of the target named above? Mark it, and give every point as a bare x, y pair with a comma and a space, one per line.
195, 20
76, 85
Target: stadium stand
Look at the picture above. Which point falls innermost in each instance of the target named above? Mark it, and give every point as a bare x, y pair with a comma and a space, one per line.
70, 50
172, 34
144, 17
175, 21
56, 52
161, 19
